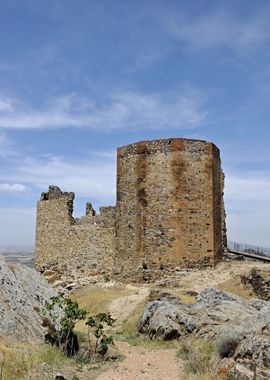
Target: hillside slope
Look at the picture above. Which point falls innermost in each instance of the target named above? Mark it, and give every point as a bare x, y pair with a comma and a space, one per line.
23, 293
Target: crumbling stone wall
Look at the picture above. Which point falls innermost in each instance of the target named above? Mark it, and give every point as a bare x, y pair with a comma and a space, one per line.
74, 246
169, 213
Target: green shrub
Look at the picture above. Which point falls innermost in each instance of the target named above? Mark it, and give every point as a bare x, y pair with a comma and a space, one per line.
97, 323
227, 345
63, 314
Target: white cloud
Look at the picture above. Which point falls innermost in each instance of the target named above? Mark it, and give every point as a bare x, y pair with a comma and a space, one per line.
12, 187
122, 110
219, 28
93, 178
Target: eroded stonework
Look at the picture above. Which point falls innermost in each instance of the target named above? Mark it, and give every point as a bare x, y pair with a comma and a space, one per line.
74, 246
169, 213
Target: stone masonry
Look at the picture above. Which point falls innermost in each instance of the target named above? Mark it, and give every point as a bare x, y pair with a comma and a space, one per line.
74, 246
169, 213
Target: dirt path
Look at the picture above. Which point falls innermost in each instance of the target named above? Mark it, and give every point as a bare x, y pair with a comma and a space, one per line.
139, 362
143, 363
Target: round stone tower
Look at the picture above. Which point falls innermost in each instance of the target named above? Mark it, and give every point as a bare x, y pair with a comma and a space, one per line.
169, 209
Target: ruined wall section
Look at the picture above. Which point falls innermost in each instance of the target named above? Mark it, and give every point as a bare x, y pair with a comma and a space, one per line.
53, 221
73, 246
168, 199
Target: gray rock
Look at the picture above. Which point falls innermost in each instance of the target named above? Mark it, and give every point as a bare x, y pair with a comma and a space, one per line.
23, 294
254, 348
239, 372
239, 327
213, 315
213, 296
167, 318
258, 304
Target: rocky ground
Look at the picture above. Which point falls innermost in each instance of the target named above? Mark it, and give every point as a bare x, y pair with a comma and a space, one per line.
237, 328
199, 307
144, 363
193, 306
23, 294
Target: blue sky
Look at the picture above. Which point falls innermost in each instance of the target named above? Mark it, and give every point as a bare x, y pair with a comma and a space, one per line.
79, 78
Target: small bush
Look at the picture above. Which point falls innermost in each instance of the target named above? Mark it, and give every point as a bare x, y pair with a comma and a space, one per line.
196, 355
97, 324
63, 314
197, 362
253, 271
183, 352
227, 345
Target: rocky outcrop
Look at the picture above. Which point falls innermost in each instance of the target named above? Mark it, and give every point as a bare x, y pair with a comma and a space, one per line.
239, 328
213, 313
23, 293
258, 280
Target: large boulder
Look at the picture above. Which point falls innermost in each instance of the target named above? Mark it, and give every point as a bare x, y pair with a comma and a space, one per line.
240, 329
23, 294
167, 318
214, 313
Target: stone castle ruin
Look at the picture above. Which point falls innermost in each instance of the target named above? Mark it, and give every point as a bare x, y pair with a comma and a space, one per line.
169, 213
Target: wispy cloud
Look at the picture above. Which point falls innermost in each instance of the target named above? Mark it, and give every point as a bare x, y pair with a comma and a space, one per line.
219, 28
3, 139
93, 178
12, 187
5, 105
122, 110
5, 145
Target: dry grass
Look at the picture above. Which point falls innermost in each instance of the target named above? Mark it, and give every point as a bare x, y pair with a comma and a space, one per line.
17, 360
130, 325
234, 285
196, 355
200, 360
184, 296
14, 267
42, 362
204, 376
96, 300
129, 332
